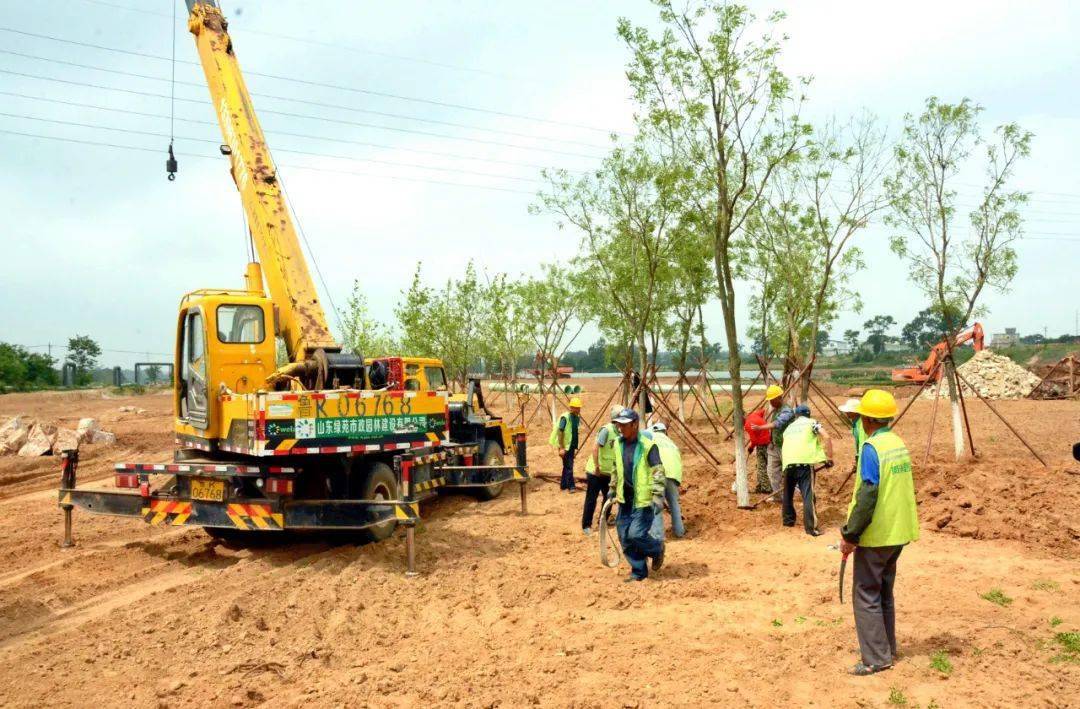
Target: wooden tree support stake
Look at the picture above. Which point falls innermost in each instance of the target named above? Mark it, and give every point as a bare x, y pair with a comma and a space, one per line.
1003, 419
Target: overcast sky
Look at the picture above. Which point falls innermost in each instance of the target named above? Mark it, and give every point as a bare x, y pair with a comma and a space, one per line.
98, 242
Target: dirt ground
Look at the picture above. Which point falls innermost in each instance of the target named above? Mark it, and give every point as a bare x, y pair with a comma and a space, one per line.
513, 610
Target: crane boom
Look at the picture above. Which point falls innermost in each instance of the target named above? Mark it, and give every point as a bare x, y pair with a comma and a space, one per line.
301, 318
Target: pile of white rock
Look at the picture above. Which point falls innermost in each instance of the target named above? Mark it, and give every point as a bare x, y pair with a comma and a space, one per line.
24, 436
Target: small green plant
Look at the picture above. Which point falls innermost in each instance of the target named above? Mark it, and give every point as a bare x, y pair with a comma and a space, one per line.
933, 704
1046, 585
996, 596
800, 619
776, 623
940, 661
897, 698
978, 651
1055, 622
1070, 648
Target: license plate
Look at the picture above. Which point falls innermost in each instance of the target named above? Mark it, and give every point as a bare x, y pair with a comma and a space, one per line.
208, 490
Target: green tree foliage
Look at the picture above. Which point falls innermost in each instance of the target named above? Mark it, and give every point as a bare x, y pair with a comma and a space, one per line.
878, 327
925, 330
709, 86
554, 309
628, 213
851, 337
508, 334
83, 352
362, 334
936, 147
22, 369
449, 322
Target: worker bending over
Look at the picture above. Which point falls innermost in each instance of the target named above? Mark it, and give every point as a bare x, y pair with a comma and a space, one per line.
882, 518
564, 437
598, 469
805, 445
671, 458
638, 486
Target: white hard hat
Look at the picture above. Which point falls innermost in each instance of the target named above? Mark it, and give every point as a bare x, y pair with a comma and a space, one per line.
659, 426
851, 406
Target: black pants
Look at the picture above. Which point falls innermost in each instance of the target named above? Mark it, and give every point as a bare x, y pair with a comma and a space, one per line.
596, 487
566, 482
801, 476
875, 608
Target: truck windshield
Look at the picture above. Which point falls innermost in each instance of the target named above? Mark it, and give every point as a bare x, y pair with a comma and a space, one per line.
240, 324
435, 378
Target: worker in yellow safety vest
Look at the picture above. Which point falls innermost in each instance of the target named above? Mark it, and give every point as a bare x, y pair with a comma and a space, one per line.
564, 437
671, 457
598, 469
638, 487
805, 445
882, 519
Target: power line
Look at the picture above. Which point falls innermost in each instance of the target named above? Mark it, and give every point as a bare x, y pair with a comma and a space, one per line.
337, 87
144, 114
394, 129
400, 178
103, 349
308, 102
350, 48
133, 131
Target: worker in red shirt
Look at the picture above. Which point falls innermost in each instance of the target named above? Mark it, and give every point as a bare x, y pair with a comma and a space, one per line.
758, 441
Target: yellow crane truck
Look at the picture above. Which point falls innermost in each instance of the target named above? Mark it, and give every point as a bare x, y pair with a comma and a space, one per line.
328, 441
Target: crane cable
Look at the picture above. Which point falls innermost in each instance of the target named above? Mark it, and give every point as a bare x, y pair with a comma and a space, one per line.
170, 163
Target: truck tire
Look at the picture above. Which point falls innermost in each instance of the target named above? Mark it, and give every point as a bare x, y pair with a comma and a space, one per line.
380, 484
492, 455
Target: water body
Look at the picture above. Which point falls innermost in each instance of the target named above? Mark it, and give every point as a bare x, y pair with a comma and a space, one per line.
747, 374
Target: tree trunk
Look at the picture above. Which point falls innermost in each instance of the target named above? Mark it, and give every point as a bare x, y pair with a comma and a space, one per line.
954, 402
727, 302
643, 396
682, 405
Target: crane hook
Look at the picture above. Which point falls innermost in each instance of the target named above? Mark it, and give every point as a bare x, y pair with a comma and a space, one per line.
170, 164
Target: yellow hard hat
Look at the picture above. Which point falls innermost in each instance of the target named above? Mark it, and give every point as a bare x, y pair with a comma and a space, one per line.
773, 392
877, 404
575, 403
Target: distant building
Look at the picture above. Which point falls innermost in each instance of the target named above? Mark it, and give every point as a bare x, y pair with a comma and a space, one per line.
1005, 339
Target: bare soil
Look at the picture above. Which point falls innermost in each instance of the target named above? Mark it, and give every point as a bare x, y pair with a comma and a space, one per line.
513, 610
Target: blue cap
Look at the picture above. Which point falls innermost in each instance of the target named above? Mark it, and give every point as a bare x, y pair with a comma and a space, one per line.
626, 416
802, 410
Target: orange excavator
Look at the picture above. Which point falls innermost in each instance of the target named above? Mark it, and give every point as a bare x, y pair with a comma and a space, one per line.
922, 371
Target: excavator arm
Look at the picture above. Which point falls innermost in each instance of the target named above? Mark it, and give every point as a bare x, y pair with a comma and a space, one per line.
929, 368
300, 317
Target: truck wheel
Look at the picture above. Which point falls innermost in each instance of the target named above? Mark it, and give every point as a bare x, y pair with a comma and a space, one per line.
380, 485
492, 455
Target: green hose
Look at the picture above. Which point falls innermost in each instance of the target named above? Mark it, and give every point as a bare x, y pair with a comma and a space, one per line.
602, 534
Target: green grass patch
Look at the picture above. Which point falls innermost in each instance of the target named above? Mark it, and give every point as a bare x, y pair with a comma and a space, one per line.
1070, 648
1055, 621
776, 623
897, 698
1046, 585
997, 597
940, 661
800, 619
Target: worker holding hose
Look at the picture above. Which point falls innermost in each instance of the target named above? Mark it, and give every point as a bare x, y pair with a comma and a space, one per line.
598, 469
882, 519
564, 437
638, 487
